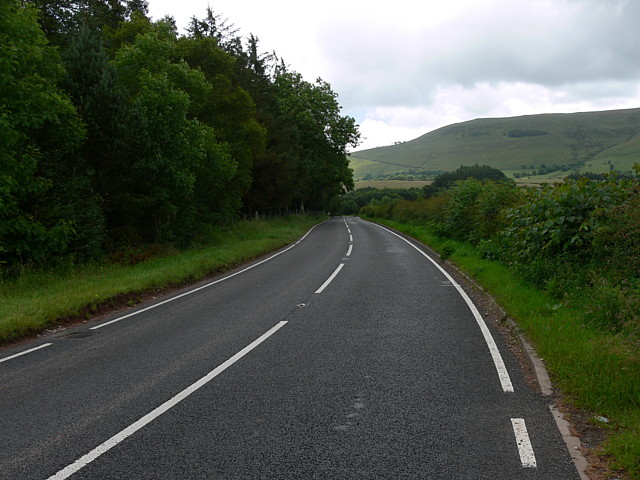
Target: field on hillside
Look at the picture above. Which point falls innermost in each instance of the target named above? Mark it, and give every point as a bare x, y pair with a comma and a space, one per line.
380, 184
532, 145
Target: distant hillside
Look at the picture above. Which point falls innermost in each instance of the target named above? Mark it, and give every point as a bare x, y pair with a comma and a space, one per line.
549, 144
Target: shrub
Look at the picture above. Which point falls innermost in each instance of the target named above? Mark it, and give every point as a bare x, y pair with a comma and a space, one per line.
493, 200
422, 210
618, 241
474, 210
558, 219
461, 208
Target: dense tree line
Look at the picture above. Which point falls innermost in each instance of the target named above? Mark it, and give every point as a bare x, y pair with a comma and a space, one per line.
479, 172
352, 202
448, 179
116, 130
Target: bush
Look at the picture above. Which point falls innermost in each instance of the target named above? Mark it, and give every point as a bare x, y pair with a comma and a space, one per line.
474, 210
422, 210
461, 208
559, 219
493, 200
618, 241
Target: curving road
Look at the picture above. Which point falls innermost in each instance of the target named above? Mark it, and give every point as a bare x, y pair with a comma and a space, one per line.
347, 355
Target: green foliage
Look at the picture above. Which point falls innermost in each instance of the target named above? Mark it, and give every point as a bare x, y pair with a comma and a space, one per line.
558, 219
594, 366
462, 208
364, 196
618, 238
475, 209
228, 109
479, 172
581, 234
39, 128
34, 299
321, 137
446, 251
61, 19
154, 138
408, 175
613, 307
421, 211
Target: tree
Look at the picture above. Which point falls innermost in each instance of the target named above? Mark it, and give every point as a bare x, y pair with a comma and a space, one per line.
321, 136
61, 19
56, 18
479, 172
227, 108
179, 151
100, 98
39, 127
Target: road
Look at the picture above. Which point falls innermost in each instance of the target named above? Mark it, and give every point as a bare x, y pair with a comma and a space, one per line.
346, 355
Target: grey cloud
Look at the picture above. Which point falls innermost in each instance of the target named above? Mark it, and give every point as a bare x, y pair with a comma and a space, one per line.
593, 42
553, 44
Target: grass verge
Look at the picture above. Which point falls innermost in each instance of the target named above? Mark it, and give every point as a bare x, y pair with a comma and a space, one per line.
594, 370
37, 300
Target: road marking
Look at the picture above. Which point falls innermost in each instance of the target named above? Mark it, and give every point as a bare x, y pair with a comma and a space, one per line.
527, 457
25, 352
330, 279
155, 305
347, 225
503, 374
351, 238
149, 417
349, 251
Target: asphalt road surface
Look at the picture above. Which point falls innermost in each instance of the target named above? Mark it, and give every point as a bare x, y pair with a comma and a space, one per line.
348, 355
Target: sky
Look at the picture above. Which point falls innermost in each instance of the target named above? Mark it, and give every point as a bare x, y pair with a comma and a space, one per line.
403, 68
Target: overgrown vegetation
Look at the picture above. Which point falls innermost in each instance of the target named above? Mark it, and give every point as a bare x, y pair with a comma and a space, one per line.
115, 131
564, 260
352, 202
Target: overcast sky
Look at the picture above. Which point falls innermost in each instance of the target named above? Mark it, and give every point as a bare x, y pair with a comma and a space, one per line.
402, 68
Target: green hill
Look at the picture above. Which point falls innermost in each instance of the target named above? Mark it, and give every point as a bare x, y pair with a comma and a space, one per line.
550, 144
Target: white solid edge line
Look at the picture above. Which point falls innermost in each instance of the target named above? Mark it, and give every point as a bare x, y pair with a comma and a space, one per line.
149, 417
330, 279
25, 352
527, 457
155, 305
503, 374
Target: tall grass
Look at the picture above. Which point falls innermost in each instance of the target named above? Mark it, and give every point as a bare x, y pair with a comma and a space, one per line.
33, 301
